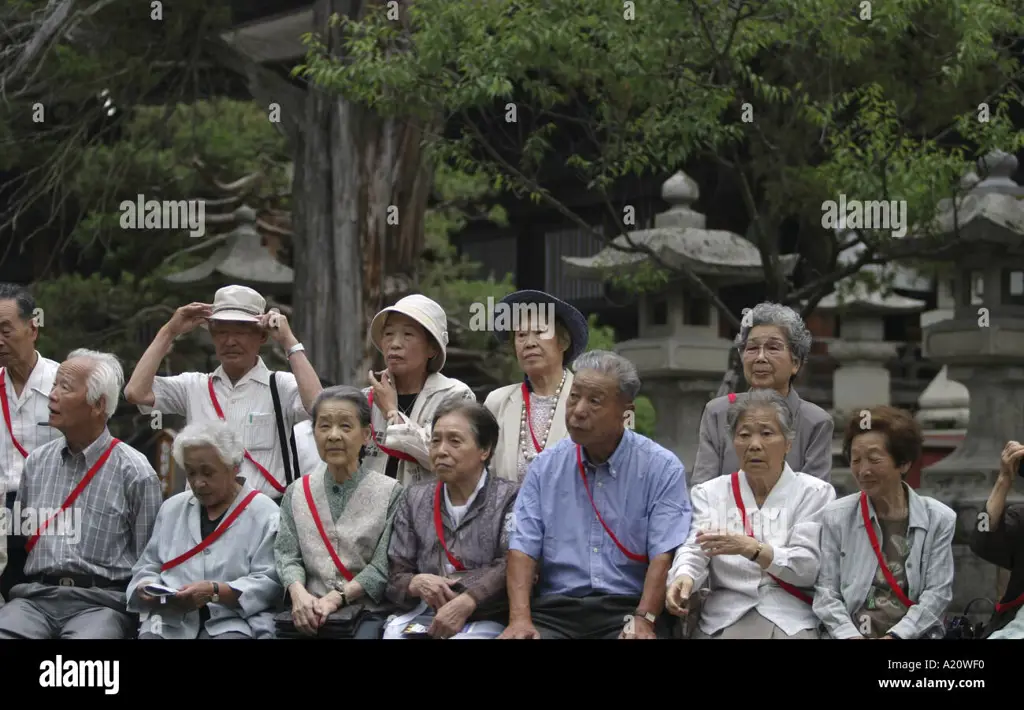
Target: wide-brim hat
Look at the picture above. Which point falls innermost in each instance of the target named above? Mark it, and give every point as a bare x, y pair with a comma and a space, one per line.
572, 319
424, 311
238, 303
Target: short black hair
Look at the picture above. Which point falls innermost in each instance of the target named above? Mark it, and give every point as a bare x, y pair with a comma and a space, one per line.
481, 422
21, 296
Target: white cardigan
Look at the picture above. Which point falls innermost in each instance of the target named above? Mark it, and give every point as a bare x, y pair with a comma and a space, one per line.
506, 404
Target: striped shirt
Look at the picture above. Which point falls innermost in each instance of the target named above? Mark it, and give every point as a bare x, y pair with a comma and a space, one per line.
110, 521
248, 407
32, 407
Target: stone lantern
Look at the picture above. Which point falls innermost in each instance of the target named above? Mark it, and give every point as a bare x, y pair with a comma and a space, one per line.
679, 352
242, 260
982, 346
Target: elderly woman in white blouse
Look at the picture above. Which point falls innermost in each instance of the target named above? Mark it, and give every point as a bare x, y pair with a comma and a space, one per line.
886, 552
755, 534
208, 570
413, 337
548, 334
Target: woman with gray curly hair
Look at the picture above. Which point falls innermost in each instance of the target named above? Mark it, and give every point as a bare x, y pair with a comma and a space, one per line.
208, 570
756, 533
774, 344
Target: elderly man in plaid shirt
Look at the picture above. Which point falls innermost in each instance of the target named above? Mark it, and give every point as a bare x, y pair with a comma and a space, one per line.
93, 501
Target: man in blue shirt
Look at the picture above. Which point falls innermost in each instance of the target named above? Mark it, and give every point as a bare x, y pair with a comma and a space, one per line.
598, 518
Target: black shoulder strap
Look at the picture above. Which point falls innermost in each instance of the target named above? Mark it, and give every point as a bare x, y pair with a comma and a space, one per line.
286, 450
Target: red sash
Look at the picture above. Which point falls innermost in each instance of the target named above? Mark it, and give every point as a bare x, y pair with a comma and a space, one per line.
220, 413
390, 452
583, 474
212, 537
323, 533
748, 530
74, 494
529, 421
439, 529
904, 599
1000, 608
7, 412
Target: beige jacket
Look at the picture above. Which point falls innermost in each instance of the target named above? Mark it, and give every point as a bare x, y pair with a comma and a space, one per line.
506, 404
413, 435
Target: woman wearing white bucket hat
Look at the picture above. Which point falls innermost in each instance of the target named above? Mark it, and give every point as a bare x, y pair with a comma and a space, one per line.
413, 337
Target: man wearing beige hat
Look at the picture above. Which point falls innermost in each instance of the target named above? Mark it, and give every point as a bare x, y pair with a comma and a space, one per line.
413, 337
262, 406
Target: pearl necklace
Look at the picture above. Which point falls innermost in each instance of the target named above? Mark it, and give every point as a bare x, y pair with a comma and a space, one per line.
525, 444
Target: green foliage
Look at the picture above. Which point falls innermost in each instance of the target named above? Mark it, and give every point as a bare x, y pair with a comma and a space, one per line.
799, 101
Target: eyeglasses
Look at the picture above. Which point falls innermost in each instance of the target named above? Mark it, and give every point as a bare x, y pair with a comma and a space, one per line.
773, 348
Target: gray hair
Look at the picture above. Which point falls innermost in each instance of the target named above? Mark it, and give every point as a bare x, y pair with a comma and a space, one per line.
105, 379
213, 433
762, 399
344, 393
785, 318
614, 365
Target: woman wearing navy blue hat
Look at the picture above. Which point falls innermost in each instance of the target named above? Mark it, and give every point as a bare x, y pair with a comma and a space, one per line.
548, 334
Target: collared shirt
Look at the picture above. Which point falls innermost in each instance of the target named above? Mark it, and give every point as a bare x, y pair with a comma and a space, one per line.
641, 494
459, 511
248, 407
27, 411
111, 520
848, 565
243, 557
789, 521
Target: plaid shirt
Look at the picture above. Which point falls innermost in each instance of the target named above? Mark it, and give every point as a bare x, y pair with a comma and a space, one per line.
117, 509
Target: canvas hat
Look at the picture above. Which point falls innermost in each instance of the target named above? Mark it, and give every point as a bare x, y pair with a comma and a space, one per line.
572, 319
425, 312
238, 303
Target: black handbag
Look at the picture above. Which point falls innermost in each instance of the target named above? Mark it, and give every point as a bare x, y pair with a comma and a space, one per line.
341, 624
960, 628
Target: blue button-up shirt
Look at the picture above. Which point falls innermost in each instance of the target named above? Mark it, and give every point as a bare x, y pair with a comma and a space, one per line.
641, 495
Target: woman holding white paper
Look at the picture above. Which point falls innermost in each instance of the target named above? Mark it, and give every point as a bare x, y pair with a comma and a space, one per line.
212, 546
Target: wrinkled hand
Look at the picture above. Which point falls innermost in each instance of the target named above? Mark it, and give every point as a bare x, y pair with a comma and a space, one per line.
186, 318
305, 615
451, 618
385, 396
678, 597
327, 605
520, 630
435, 591
715, 544
638, 628
1010, 459
194, 596
277, 325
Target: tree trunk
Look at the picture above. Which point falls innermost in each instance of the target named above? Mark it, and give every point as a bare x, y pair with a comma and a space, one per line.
354, 173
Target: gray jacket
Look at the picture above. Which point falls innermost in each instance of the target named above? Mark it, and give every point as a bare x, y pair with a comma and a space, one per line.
811, 452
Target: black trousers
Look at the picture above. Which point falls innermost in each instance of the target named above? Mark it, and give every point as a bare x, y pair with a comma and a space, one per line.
14, 572
595, 616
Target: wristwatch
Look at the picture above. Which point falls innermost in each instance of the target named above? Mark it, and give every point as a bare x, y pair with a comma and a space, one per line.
295, 348
645, 615
216, 593
339, 587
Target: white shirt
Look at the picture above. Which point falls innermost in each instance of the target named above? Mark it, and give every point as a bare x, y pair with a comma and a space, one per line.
457, 512
789, 521
305, 447
27, 411
247, 406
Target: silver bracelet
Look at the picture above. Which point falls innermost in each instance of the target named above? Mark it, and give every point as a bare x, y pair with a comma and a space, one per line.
296, 348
